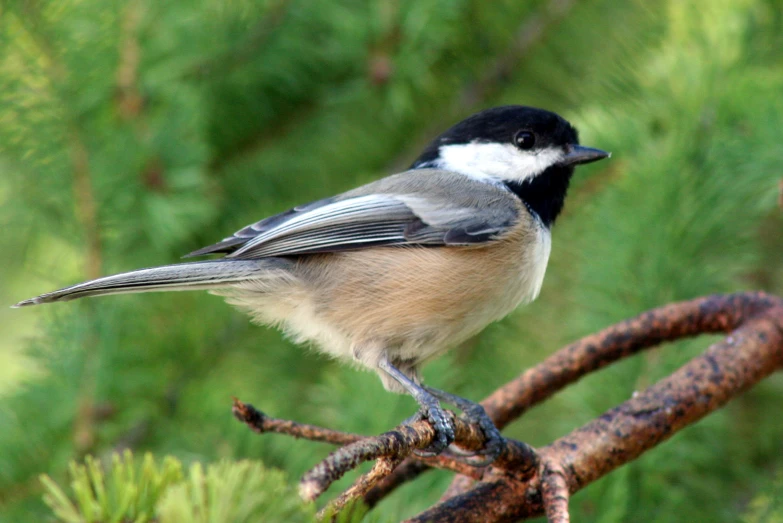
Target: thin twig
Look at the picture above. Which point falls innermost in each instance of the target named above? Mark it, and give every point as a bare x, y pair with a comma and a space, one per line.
554, 493
408, 470
398, 442
261, 423
382, 468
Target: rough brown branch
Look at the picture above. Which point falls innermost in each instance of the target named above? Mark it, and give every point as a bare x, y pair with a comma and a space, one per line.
382, 468
472, 438
554, 492
712, 314
515, 458
389, 449
752, 351
523, 483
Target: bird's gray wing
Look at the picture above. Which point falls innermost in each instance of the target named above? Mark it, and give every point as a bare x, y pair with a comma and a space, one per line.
422, 207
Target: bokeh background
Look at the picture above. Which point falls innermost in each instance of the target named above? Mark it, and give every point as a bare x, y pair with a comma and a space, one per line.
133, 132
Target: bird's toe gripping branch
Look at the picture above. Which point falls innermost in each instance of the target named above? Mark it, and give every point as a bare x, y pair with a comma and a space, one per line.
475, 414
441, 423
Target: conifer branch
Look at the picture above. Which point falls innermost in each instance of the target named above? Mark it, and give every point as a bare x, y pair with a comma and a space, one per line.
523, 482
533, 29
129, 98
531, 32
87, 214
259, 36
85, 207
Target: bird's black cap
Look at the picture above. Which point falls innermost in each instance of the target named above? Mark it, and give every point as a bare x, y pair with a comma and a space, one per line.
501, 125
543, 193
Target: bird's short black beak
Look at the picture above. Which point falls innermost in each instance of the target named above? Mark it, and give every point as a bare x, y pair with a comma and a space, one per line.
578, 155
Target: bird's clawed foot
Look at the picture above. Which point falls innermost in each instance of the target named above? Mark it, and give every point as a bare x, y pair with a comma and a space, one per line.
431, 410
475, 414
493, 446
441, 423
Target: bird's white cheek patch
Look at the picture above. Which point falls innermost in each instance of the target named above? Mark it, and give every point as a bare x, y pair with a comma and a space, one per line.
496, 161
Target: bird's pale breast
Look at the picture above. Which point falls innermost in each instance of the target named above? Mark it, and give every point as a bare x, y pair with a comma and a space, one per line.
417, 301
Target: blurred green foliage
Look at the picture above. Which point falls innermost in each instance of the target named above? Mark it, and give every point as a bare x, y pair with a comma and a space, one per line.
134, 132
139, 491
130, 492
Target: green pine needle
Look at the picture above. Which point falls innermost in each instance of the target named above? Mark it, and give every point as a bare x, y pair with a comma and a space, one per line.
130, 492
243, 491
142, 490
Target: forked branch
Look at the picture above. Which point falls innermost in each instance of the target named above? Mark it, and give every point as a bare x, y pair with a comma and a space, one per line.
524, 482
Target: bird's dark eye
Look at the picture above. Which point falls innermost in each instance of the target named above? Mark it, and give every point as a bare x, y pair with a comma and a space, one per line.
525, 140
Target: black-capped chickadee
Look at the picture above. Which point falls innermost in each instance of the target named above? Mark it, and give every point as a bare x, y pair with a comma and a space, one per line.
395, 272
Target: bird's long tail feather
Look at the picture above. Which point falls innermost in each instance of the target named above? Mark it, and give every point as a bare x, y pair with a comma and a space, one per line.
179, 277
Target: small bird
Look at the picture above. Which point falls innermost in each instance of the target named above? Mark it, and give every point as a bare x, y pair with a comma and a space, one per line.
393, 273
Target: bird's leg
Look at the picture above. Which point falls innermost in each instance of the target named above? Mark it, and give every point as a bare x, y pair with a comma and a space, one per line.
430, 408
474, 413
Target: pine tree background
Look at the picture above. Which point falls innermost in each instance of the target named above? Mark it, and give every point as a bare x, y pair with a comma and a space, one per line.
134, 132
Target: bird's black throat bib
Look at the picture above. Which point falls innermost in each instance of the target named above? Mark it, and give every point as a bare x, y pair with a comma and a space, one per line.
545, 194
